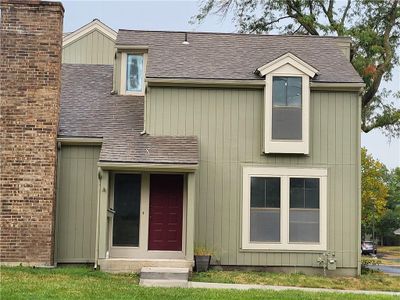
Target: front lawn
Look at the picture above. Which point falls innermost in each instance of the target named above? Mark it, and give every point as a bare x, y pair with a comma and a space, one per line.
371, 281
84, 283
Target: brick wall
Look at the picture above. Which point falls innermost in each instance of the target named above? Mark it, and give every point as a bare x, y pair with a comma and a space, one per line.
30, 64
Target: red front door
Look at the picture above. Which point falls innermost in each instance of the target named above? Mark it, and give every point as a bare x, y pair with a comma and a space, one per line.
166, 209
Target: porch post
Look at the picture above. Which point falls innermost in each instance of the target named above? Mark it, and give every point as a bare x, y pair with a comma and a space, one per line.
102, 214
190, 216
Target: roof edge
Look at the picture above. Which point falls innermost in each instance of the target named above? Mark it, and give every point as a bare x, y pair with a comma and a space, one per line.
247, 83
288, 58
131, 166
96, 24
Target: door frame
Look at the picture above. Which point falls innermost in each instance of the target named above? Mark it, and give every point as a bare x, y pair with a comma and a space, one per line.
142, 250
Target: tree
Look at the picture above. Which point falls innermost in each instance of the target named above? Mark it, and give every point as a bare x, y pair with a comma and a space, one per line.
374, 26
374, 191
393, 201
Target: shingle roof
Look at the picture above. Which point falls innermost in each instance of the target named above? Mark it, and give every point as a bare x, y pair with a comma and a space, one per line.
89, 110
235, 56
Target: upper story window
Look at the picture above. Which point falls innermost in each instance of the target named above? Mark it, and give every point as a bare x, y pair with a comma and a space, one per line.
286, 108
287, 105
132, 73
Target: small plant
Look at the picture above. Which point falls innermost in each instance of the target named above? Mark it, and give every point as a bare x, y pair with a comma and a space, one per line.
369, 261
203, 251
202, 258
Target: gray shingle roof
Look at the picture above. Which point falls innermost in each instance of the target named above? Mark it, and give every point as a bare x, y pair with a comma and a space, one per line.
235, 56
89, 110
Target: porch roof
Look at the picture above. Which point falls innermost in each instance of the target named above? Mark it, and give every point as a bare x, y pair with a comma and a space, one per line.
88, 109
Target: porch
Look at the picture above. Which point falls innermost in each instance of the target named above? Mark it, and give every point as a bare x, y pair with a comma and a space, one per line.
145, 217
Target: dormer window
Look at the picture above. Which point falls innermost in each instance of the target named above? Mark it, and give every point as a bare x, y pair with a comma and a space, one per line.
132, 76
286, 108
287, 105
134, 73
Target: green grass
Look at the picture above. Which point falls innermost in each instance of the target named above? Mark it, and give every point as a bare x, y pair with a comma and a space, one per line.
84, 283
371, 281
390, 255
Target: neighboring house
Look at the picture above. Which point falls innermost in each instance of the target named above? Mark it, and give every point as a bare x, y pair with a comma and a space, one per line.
246, 144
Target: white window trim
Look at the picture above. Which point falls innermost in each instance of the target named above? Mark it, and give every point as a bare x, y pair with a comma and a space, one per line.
287, 65
124, 57
284, 174
287, 146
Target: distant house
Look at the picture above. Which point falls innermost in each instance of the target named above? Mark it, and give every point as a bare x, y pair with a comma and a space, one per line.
246, 144
397, 232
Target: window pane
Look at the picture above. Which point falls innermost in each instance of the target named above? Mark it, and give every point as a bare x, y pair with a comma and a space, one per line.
294, 91
127, 210
312, 193
304, 193
257, 194
304, 210
265, 192
287, 108
296, 192
265, 225
286, 123
304, 225
279, 91
134, 73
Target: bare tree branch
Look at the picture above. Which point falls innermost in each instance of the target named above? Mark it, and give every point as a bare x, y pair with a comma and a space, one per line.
345, 12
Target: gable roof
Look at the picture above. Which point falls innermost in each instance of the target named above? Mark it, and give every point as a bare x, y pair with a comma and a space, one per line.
235, 56
288, 58
88, 109
96, 24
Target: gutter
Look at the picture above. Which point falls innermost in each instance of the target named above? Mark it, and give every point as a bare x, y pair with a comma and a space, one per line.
254, 83
104, 165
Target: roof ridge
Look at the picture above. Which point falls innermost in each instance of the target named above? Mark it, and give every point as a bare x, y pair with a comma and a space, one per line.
237, 33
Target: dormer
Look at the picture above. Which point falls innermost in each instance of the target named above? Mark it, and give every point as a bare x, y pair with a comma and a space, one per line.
130, 70
287, 104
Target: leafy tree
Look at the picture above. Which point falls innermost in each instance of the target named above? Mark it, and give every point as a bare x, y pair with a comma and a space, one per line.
374, 191
393, 201
389, 222
374, 26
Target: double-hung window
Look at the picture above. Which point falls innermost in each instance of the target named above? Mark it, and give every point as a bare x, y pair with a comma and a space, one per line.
284, 208
287, 105
287, 108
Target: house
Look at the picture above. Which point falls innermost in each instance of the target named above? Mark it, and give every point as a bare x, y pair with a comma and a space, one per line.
246, 144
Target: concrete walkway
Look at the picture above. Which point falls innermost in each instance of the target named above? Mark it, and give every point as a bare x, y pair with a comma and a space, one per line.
208, 285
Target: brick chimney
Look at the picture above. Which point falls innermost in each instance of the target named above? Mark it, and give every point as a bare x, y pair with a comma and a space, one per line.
30, 65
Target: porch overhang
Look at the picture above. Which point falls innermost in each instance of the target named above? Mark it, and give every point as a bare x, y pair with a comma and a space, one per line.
129, 166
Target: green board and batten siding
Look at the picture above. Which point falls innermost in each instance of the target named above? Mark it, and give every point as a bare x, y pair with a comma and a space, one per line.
229, 124
92, 48
76, 203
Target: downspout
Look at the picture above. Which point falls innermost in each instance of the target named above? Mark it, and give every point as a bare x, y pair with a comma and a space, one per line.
144, 108
96, 254
57, 196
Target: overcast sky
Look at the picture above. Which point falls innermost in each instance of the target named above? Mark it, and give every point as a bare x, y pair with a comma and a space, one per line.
174, 15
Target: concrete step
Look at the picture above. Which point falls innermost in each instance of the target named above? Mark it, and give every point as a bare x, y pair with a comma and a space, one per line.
121, 265
164, 283
162, 273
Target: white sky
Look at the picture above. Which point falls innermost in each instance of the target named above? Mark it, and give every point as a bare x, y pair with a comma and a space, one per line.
174, 15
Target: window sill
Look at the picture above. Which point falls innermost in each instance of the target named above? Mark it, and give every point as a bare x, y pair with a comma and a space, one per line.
283, 250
